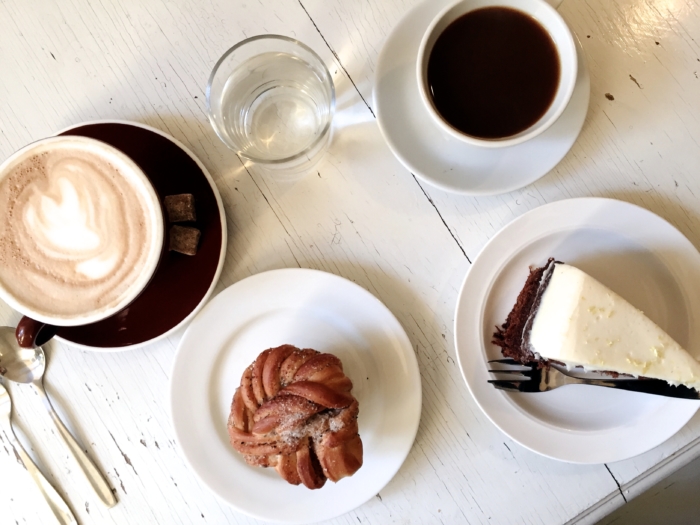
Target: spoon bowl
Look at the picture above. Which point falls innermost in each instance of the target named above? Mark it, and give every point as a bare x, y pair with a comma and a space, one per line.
22, 365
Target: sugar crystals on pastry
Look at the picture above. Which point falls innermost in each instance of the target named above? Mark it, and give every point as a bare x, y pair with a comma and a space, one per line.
294, 412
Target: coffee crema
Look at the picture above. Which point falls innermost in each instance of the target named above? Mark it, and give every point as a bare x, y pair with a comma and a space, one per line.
75, 232
493, 72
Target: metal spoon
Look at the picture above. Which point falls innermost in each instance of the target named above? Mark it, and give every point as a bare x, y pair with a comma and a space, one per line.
27, 365
58, 506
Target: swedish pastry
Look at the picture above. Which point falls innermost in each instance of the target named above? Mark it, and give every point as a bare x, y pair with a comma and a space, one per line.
294, 411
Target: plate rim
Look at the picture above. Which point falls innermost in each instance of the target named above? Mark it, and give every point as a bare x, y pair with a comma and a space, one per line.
414, 369
222, 253
690, 408
582, 83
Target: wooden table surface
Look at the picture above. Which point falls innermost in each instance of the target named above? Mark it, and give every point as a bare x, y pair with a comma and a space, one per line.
360, 215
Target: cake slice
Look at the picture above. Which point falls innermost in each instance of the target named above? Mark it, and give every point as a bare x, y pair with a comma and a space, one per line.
564, 315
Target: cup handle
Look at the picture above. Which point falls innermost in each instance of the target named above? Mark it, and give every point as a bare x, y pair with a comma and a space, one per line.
31, 333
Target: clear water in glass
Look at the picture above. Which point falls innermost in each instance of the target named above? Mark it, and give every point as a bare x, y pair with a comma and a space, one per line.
274, 106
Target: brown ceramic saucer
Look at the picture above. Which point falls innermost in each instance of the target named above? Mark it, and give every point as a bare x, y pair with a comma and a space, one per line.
182, 283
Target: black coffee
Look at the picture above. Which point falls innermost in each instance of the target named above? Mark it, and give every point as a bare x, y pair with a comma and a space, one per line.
493, 72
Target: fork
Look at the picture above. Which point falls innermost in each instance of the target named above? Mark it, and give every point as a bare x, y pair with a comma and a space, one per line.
548, 378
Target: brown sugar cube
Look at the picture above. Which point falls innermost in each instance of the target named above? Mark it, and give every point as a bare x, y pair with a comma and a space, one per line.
180, 207
184, 239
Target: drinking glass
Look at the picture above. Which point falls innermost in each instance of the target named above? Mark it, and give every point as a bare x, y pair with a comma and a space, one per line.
271, 99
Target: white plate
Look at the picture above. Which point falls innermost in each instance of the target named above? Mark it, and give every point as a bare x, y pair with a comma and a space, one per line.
632, 251
441, 160
309, 309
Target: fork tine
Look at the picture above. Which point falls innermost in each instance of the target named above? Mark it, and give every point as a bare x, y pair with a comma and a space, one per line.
527, 373
515, 386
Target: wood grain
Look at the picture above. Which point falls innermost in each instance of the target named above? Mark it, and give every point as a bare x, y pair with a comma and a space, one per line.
361, 215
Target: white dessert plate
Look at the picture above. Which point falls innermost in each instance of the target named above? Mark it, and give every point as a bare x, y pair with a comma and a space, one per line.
309, 309
446, 162
632, 251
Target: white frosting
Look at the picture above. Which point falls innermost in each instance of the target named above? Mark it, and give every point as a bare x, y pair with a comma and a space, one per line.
580, 322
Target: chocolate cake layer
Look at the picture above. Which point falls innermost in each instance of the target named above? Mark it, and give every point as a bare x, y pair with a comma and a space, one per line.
512, 336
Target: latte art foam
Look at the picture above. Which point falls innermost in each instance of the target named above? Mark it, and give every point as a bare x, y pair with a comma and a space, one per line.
75, 233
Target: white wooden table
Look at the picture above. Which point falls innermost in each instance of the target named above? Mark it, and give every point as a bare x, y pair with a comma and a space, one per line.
362, 216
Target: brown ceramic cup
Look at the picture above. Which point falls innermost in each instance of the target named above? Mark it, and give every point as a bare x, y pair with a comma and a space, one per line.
38, 326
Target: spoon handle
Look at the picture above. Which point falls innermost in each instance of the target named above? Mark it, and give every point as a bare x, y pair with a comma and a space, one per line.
58, 506
92, 475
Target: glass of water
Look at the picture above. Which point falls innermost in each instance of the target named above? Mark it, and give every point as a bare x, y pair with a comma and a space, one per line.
271, 99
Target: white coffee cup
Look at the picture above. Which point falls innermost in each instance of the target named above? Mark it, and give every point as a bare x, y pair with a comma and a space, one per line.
139, 186
563, 40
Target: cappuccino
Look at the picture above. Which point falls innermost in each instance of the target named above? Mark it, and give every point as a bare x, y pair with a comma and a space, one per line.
80, 230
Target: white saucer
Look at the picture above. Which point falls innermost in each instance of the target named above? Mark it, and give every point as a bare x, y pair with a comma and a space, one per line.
441, 160
629, 249
311, 309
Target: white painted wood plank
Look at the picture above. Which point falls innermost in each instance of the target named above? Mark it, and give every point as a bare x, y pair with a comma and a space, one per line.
362, 216
673, 501
459, 456
641, 147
